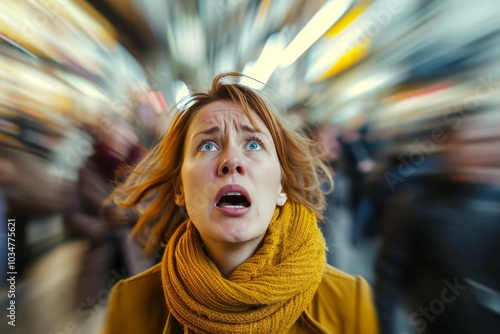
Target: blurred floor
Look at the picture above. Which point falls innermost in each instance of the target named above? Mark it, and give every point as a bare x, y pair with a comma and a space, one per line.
45, 298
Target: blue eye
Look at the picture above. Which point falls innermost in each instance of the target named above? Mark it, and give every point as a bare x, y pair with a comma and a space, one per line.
254, 146
207, 147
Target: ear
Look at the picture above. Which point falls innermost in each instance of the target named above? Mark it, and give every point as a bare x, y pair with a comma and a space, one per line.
179, 193
282, 197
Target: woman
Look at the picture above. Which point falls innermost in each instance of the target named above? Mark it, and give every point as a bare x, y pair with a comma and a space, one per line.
234, 197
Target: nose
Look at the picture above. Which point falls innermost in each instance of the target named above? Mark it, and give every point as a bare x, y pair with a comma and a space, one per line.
231, 164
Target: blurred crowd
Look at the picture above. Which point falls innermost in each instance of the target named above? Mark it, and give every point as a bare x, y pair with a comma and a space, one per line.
409, 122
433, 209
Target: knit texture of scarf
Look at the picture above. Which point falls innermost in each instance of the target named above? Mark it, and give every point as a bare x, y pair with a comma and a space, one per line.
265, 294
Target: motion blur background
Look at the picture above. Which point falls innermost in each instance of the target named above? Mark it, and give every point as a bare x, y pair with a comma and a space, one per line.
404, 94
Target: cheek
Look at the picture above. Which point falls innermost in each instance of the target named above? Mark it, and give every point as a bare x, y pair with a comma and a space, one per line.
195, 200
199, 190
272, 180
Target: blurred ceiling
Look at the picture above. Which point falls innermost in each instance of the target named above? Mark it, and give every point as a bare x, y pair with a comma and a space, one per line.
328, 55
336, 60
197, 39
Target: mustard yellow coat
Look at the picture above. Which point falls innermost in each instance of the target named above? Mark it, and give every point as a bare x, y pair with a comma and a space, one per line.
342, 304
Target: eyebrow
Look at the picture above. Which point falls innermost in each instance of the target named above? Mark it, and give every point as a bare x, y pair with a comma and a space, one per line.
250, 129
209, 131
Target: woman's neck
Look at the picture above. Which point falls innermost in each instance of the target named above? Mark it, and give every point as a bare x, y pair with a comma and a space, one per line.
229, 256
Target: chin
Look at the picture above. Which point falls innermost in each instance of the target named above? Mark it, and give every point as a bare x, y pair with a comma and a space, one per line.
240, 237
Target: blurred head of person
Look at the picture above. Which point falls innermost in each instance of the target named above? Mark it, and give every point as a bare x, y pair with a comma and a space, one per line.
327, 137
472, 149
115, 144
7, 172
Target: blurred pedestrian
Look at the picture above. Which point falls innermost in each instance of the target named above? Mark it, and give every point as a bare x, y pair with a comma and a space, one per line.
108, 254
440, 239
356, 163
327, 138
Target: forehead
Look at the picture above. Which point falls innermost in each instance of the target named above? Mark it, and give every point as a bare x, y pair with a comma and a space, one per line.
225, 112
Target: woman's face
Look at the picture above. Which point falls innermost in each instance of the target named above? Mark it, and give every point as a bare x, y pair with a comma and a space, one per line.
231, 176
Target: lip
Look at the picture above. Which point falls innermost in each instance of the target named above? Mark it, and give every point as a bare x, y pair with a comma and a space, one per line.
233, 212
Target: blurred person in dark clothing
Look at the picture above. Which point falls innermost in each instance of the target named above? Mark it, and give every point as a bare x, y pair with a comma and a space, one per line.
33, 194
356, 163
6, 170
110, 256
327, 138
440, 239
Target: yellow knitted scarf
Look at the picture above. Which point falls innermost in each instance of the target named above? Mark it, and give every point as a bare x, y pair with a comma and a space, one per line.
265, 294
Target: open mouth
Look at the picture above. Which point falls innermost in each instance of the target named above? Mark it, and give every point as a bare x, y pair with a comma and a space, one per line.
233, 200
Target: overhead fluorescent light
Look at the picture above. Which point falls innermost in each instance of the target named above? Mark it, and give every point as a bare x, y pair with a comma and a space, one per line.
268, 61
326, 16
